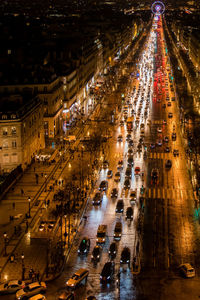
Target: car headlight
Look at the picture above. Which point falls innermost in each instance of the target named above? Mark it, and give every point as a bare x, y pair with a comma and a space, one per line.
120, 260
100, 277
103, 240
114, 251
78, 250
96, 240
108, 277
120, 234
97, 256
92, 256
85, 250
127, 261
109, 251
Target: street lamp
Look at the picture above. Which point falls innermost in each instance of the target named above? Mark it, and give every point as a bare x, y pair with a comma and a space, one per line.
65, 216
5, 243
29, 206
23, 268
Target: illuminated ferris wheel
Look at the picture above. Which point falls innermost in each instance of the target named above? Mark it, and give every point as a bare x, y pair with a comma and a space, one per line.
158, 8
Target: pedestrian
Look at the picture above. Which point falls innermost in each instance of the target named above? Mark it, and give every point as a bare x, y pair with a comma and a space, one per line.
22, 192
13, 205
48, 202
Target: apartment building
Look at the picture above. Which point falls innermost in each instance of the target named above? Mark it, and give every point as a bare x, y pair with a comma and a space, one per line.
21, 131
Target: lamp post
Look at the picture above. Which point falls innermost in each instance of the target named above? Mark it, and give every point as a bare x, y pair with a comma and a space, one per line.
29, 206
5, 243
65, 216
45, 175
23, 268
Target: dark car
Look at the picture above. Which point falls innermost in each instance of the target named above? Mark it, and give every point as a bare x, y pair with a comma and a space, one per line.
130, 152
166, 139
176, 152
97, 199
109, 174
120, 138
125, 256
128, 173
103, 185
129, 213
128, 137
114, 193
96, 253
168, 164
107, 272
154, 176
130, 143
127, 184
173, 136
166, 149
113, 250
130, 161
84, 246
120, 206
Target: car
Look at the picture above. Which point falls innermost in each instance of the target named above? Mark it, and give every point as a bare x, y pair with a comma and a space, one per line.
176, 152
109, 174
128, 137
66, 295
103, 185
128, 173
130, 151
125, 256
130, 143
154, 176
114, 193
105, 164
117, 177
159, 129
187, 270
166, 139
127, 184
39, 297
120, 163
159, 143
84, 246
167, 149
97, 199
77, 278
120, 138
121, 123
91, 298
133, 196
173, 136
137, 170
107, 272
168, 164
152, 146
11, 287
31, 289
170, 115
96, 253
120, 206
112, 250
173, 98
164, 122
130, 161
118, 231
129, 213
169, 103
164, 105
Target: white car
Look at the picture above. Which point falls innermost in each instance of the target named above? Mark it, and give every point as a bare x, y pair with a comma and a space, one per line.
77, 278
11, 287
159, 129
31, 290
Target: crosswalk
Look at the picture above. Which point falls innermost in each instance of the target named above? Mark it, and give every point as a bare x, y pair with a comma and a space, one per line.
161, 155
167, 193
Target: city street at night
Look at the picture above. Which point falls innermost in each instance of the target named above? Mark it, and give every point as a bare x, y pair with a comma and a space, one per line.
105, 201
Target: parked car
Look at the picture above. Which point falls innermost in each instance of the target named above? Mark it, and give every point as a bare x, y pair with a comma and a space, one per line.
31, 290
11, 287
154, 176
84, 246
77, 278
107, 273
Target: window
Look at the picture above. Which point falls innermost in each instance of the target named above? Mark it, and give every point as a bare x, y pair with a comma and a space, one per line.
4, 117
5, 131
9, 51
13, 130
14, 158
14, 144
5, 145
6, 158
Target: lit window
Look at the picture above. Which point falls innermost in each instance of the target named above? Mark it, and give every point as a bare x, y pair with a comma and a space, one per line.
13, 130
5, 145
5, 131
14, 144
9, 51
